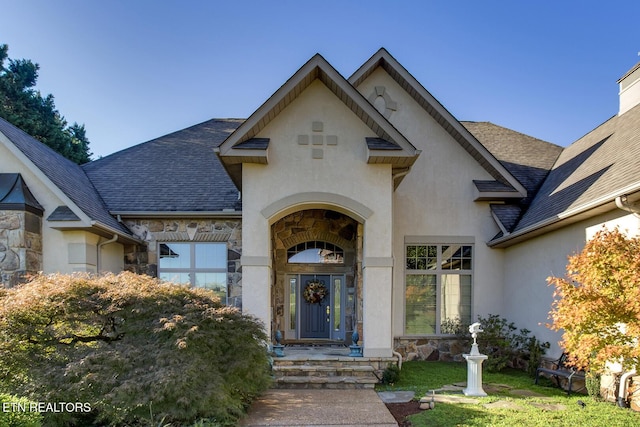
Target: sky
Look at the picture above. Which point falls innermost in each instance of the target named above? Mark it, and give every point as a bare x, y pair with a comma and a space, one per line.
134, 70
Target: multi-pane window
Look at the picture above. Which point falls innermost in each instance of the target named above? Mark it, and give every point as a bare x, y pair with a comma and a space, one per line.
202, 265
437, 287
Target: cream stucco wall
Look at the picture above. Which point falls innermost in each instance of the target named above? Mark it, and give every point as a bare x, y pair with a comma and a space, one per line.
527, 297
63, 251
436, 199
340, 180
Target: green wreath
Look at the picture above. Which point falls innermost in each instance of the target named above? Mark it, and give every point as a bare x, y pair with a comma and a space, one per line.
315, 291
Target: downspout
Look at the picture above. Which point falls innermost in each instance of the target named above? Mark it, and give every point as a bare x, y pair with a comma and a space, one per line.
100, 245
622, 393
622, 203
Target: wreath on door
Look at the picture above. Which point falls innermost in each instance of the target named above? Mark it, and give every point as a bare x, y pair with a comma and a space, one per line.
315, 291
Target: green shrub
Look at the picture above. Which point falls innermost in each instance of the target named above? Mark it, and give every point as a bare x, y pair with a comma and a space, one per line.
391, 374
592, 384
135, 349
18, 412
508, 346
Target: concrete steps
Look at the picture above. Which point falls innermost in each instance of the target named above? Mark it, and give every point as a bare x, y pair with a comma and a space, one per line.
299, 370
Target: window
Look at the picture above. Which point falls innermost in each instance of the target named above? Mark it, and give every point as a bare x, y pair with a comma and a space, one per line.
315, 252
437, 287
202, 265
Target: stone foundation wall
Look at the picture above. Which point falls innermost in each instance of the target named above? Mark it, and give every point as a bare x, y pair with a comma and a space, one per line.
443, 349
143, 259
20, 246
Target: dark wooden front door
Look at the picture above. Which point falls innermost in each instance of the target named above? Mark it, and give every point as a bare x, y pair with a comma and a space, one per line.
315, 303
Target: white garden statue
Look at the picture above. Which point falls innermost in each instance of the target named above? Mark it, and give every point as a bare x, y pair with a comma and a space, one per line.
474, 365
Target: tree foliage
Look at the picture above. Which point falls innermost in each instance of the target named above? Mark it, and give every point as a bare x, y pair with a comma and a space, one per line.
597, 304
132, 347
25, 107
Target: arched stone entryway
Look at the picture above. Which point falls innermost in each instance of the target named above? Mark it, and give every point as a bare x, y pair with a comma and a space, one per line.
322, 231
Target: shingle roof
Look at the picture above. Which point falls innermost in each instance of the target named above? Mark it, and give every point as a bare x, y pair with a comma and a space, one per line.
528, 159
176, 172
596, 167
64, 174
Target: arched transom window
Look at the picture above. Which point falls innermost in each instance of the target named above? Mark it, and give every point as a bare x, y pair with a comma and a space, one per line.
315, 252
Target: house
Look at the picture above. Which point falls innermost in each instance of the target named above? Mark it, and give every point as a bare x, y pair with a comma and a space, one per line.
339, 205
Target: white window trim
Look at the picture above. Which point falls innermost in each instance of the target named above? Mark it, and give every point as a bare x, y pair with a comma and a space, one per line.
415, 240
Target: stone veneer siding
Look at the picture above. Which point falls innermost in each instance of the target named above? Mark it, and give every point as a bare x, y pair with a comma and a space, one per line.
318, 225
444, 349
144, 259
20, 246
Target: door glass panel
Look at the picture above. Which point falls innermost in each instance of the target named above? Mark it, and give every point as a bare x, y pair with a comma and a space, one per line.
292, 303
337, 292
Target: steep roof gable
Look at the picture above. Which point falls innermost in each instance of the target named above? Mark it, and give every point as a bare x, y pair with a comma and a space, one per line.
386, 145
586, 178
64, 177
383, 59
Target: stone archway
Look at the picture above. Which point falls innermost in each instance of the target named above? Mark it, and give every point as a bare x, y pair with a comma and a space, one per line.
316, 225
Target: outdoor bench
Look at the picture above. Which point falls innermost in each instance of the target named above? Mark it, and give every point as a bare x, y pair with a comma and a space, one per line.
560, 369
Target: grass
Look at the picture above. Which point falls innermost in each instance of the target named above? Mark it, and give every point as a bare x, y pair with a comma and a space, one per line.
422, 377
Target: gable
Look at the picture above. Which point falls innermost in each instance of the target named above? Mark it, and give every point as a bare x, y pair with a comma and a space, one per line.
241, 147
382, 60
63, 179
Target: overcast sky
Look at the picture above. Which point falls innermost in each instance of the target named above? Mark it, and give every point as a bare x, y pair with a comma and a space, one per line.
134, 70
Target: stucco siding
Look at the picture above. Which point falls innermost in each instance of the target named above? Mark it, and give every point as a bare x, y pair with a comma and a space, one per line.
62, 251
436, 199
318, 159
527, 297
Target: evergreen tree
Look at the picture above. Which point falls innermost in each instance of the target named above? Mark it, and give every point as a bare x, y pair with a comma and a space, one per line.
25, 107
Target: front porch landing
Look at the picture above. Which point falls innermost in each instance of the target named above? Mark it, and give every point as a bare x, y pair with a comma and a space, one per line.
327, 367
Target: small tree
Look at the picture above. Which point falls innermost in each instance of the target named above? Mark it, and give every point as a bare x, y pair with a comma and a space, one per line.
597, 305
132, 347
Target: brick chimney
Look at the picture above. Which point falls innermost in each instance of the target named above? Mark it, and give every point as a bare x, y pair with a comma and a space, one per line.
629, 89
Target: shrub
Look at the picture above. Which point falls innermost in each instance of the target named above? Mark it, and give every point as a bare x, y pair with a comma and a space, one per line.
508, 346
132, 347
17, 412
592, 384
391, 374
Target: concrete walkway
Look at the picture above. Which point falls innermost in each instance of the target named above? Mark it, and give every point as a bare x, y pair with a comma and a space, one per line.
342, 408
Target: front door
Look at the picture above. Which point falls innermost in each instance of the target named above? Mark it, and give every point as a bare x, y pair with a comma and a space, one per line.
315, 306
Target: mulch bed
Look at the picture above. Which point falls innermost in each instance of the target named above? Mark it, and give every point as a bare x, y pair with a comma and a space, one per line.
401, 410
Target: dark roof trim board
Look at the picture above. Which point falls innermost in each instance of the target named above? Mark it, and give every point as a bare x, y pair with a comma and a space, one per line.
494, 190
383, 59
317, 68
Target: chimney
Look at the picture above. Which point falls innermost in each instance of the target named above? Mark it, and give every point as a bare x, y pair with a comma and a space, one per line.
629, 89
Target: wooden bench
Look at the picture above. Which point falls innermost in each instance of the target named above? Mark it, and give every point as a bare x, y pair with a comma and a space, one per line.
560, 369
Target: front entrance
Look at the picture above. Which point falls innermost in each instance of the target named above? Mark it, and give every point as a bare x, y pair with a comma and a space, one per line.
316, 306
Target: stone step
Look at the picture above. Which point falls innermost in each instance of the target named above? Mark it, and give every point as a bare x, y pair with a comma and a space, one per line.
324, 370
336, 382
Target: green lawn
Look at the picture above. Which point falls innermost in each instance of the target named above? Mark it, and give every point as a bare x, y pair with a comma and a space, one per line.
424, 376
